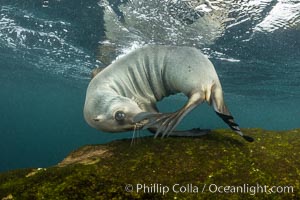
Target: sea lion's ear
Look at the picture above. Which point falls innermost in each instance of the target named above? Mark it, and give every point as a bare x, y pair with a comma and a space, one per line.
96, 71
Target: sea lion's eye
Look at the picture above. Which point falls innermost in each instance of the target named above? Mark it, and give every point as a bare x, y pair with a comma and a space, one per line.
120, 115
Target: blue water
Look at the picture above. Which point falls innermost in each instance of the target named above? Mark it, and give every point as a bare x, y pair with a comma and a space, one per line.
48, 48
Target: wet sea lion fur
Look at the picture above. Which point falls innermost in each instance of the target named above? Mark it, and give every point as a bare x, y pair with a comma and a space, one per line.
123, 96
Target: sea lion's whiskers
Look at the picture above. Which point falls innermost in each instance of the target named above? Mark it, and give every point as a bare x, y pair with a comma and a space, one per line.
136, 133
133, 135
139, 138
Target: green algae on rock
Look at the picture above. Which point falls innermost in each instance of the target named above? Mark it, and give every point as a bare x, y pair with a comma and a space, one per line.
219, 165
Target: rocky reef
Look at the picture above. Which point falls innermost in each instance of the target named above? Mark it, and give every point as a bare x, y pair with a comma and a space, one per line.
219, 165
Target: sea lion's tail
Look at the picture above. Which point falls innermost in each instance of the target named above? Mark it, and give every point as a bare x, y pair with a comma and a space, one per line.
222, 111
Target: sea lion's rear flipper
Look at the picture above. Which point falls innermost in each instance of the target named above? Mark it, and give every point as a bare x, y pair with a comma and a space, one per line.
223, 112
153, 119
165, 123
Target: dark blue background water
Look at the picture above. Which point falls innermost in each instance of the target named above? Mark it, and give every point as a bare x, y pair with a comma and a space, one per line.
48, 48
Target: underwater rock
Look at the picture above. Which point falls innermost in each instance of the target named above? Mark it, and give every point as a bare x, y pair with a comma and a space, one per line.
86, 155
219, 165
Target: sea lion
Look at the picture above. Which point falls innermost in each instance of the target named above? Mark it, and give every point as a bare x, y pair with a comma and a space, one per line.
122, 96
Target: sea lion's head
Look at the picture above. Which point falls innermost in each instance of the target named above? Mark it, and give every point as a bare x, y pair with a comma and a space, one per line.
111, 113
